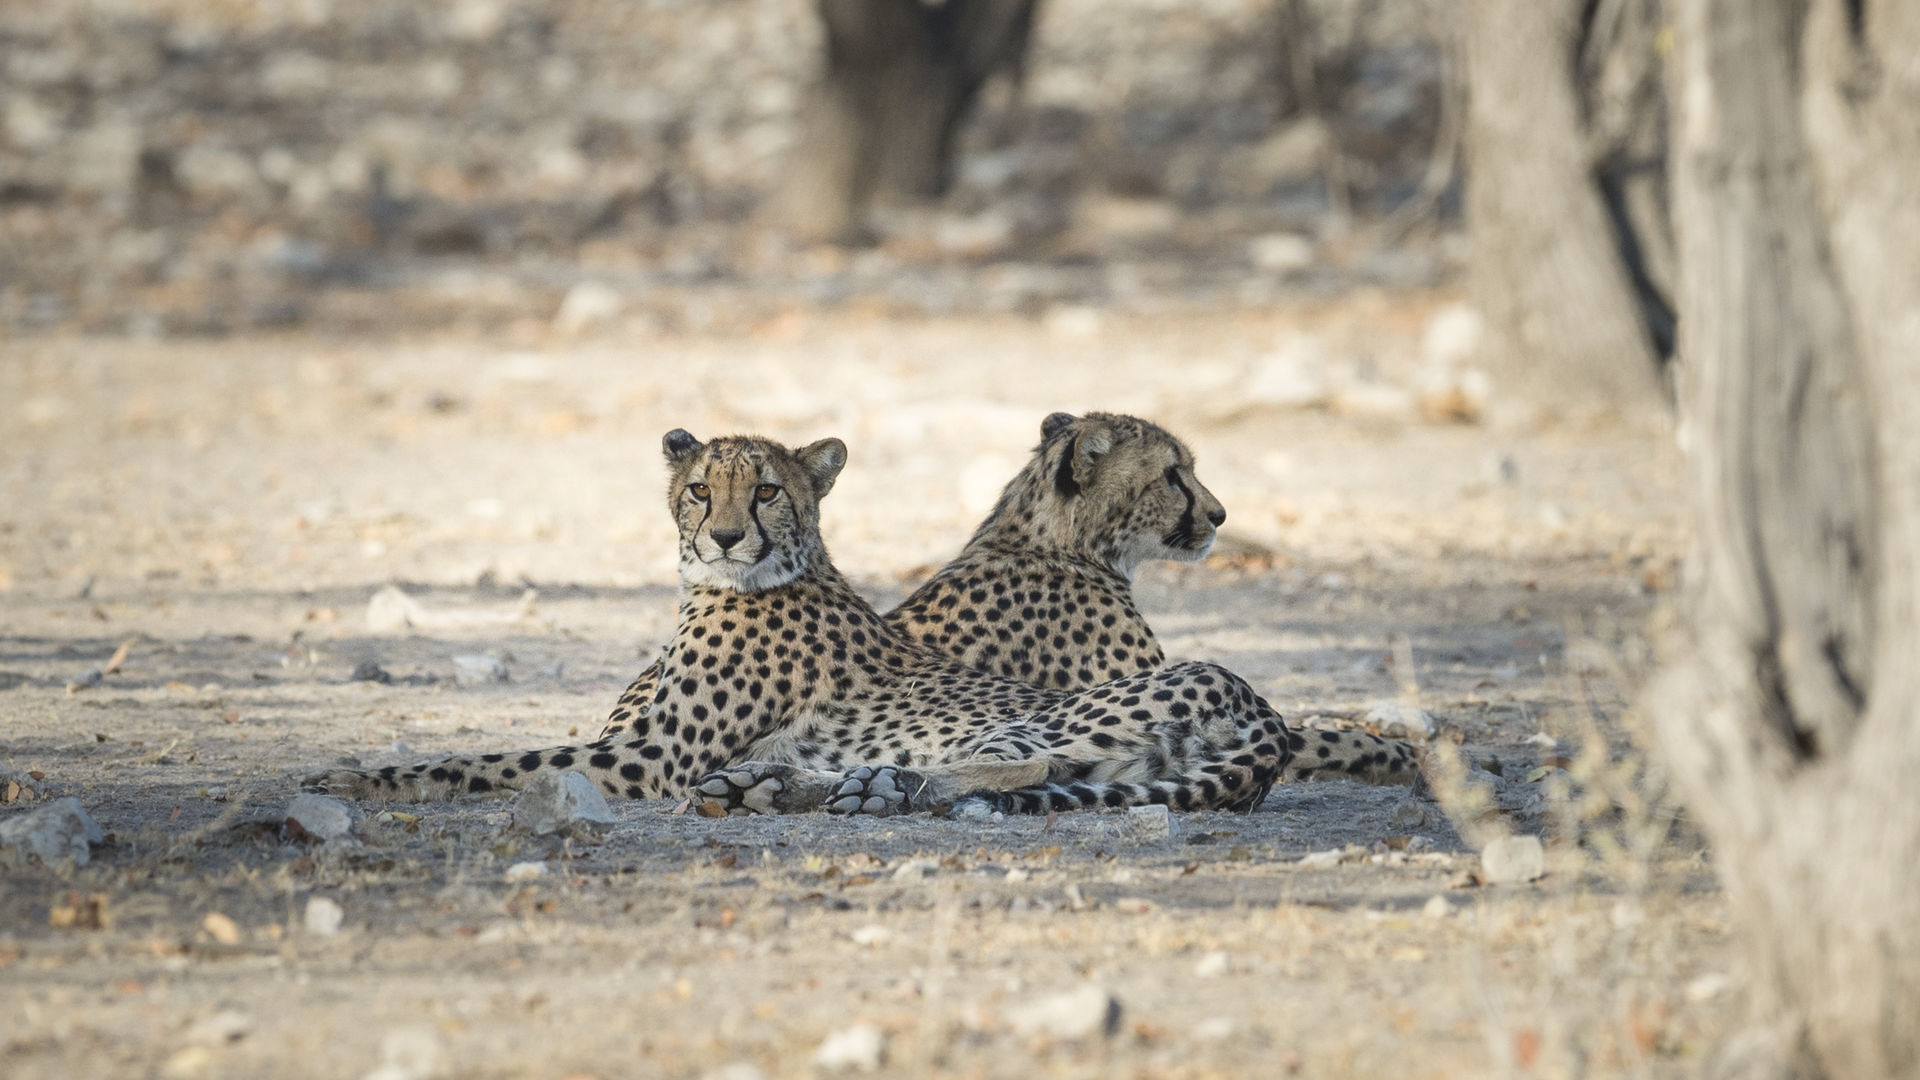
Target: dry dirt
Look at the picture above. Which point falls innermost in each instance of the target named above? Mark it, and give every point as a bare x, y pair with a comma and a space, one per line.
228, 508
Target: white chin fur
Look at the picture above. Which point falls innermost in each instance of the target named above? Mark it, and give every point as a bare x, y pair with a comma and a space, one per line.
740, 577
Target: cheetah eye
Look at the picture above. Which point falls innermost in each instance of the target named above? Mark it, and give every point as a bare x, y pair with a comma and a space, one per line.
766, 492
699, 491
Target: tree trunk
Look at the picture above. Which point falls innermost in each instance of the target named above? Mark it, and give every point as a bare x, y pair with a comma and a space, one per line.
1789, 710
1565, 128
899, 78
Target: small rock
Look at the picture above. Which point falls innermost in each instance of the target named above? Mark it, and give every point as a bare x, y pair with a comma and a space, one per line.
370, 671
478, 670
1213, 1029
860, 1047
1281, 253
1016, 875
915, 870
1322, 860
320, 817
735, 1070
58, 831
221, 928
870, 935
1513, 859
1409, 814
562, 804
1397, 721
1080, 1013
525, 871
1149, 824
1212, 965
323, 917
1708, 986
588, 306
86, 680
220, 1029
1436, 908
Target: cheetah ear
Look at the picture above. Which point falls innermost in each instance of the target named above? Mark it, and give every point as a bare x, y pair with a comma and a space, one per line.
679, 445
1089, 447
823, 461
1055, 424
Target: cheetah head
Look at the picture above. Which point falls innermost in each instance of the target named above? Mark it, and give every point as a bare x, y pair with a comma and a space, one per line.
1117, 488
748, 508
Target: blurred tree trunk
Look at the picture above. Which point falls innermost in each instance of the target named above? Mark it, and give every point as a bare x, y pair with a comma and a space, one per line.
1791, 710
1566, 197
900, 77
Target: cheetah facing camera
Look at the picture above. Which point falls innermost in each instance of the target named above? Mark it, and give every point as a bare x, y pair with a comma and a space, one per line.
783, 690
1043, 591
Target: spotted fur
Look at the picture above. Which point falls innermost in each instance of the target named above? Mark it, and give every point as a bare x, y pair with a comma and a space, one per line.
783, 690
1043, 592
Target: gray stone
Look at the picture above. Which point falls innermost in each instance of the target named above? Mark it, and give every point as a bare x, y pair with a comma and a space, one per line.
1512, 860
86, 680
1081, 1013
321, 817
370, 671
60, 830
562, 804
1149, 824
478, 670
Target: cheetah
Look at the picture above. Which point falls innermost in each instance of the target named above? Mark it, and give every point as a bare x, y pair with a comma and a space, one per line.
1043, 592
782, 689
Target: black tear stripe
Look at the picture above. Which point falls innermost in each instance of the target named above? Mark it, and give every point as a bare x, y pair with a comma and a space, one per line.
766, 542
1063, 481
1182, 533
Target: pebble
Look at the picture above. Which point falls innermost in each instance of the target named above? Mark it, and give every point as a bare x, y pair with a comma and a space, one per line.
1436, 908
525, 871
1513, 859
562, 804
1408, 814
915, 870
323, 917
1081, 1013
1212, 965
1322, 860
86, 680
860, 1048
1149, 824
478, 670
1708, 986
321, 817
370, 671
1397, 721
56, 832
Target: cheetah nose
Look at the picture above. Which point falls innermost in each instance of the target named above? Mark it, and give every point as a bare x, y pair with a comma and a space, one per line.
1218, 516
726, 538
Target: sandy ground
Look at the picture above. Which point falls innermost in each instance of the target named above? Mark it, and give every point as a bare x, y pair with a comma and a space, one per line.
228, 508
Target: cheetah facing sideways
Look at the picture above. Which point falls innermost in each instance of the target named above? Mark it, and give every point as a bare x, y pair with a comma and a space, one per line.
783, 690
1043, 592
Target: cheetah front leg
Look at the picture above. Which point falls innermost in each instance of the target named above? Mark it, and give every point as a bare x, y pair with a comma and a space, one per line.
893, 789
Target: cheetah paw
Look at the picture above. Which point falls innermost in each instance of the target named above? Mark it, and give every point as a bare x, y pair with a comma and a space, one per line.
746, 789
871, 789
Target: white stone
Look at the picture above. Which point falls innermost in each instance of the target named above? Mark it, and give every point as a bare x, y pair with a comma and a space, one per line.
588, 306
915, 869
58, 831
1322, 860
1212, 965
1281, 253
860, 1048
1437, 908
1513, 859
525, 871
321, 816
871, 935
1150, 824
323, 917
1398, 721
1080, 1013
1709, 986
562, 804
476, 670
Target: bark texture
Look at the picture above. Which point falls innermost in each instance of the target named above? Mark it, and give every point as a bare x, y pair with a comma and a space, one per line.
1791, 711
1565, 129
899, 77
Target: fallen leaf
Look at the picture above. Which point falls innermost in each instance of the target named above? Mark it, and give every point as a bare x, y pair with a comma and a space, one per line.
119, 657
710, 808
